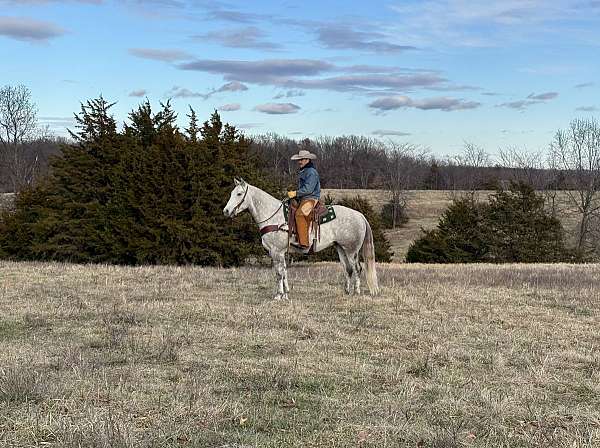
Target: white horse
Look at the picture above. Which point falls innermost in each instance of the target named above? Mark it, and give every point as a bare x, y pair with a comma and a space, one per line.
349, 232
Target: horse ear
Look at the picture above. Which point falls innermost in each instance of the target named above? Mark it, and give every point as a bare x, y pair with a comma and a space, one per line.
242, 181
237, 181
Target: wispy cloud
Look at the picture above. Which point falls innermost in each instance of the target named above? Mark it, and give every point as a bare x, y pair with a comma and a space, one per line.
366, 83
230, 107
219, 13
543, 96
519, 105
289, 94
159, 55
454, 88
249, 37
584, 85
441, 103
249, 125
365, 68
277, 108
233, 86
57, 124
304, 74
267, 71
529, 101
138, 93
182, 92
387, 133
40, 2
587, 109
481, 23
29, 30
342, 37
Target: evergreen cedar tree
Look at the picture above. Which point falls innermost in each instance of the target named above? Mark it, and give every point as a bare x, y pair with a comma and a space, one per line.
512, 227
149, 194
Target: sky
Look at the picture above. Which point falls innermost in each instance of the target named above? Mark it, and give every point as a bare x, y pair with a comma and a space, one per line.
433, 73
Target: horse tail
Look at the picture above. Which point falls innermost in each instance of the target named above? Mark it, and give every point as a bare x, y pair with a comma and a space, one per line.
368, 253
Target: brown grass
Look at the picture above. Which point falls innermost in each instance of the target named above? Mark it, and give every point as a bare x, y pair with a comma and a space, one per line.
446, 356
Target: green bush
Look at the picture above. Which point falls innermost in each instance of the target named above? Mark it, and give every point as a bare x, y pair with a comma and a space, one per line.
459, 237
512, 227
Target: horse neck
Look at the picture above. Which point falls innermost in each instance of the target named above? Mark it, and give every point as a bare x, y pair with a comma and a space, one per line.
262, 205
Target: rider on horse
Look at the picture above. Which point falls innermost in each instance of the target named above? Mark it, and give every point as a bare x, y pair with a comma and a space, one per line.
308, 193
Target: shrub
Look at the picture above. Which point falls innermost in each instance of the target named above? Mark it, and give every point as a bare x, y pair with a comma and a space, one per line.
512, 227
458, 238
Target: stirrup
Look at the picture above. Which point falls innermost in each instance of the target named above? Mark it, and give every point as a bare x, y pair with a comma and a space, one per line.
301, 249
297, 245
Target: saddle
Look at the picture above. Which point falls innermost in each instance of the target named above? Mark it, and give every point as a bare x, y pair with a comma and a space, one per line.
320, 214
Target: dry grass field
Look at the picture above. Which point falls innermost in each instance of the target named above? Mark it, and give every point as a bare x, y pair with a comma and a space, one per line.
446, 356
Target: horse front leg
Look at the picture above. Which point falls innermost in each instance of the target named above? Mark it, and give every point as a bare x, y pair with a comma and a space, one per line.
286, 287
281, 274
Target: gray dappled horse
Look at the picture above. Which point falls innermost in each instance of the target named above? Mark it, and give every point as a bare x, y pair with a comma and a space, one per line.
349, 232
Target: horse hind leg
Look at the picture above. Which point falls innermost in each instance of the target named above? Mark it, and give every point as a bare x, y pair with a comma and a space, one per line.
356, 269
348, 270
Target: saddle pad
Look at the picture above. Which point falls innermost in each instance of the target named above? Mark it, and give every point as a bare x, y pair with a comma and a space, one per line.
329, 216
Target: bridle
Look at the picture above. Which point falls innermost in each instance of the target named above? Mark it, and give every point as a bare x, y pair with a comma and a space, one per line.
241, 202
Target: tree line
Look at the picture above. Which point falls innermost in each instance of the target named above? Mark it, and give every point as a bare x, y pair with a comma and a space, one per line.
570, 163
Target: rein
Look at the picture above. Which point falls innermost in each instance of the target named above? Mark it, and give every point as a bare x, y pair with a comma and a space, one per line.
270, 228
280, 205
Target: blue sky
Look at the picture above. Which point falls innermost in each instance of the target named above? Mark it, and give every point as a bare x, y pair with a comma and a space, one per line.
435, 73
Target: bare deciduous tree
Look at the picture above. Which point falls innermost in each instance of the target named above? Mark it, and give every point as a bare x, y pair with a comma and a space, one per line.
472, 160
576, 152
403, 161
524, 165
530, 167
18, 126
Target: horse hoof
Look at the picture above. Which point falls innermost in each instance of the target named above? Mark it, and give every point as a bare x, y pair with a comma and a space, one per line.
280, 297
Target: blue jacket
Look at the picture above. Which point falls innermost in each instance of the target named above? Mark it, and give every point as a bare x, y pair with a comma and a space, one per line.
309, 185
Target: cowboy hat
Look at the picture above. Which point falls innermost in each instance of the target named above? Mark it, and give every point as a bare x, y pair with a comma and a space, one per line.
303, 154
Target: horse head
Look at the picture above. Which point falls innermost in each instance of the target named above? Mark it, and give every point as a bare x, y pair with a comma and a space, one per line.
238, 199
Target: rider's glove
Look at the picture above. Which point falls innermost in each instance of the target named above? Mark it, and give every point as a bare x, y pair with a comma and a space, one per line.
291, 194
